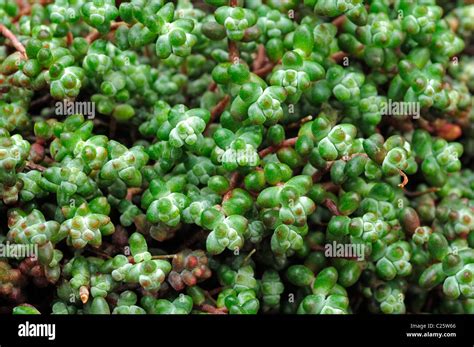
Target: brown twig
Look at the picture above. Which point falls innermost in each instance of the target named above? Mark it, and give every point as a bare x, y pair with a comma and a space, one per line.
331, 187
247, 258
14, 40
25, 9
287, 143
69, 38
40, 100
415, 194
99, 252
260, 58
212, 87
321, 172
234, 180
209, 296
317, 248
339, 21
265, 70
233, 49
32, 166
217, 111
132, 191
164, 256
112, 127
214, 310
424, 124
339, 56
405, 179
94, 35
219, 108
233, 52
299, 123
331, 206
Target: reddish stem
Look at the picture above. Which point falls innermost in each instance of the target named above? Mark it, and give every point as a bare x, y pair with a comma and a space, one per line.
405, 179
25, 10
133, 191
339, 21
69, 38
212, 309
98, 252
15, 42
219, 108
299, 123
415, 194
331, 206
33, 166
94, 35
338, 56
212, 87
331, 187
265, 70
40, 100
424, 124
233, 52
260, 58
234, 180
287, 143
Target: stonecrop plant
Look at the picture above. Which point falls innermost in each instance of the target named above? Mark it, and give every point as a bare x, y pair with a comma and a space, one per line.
236, 156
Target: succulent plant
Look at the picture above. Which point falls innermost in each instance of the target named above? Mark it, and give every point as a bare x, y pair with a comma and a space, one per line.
237, 157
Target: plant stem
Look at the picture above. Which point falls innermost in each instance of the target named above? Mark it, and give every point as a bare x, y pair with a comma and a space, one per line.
260, 58
33, 166
427, 191
94, 35
164, 256
299, 123
214, 310
265, 70
339, 56
233, 50
331, 206
234, 180
405, 179
219, 108
15, 42
287, 143
339, 21
247, 258
133, 191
